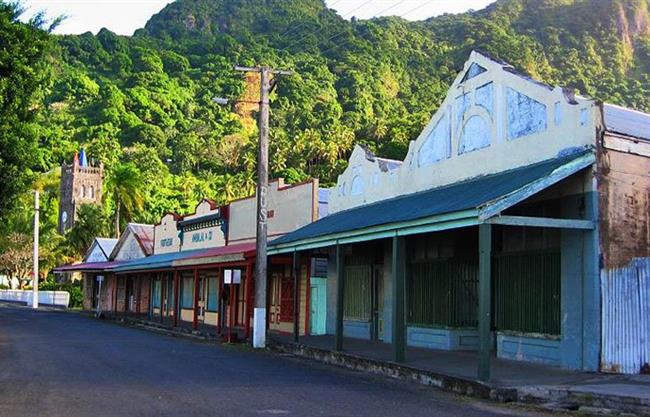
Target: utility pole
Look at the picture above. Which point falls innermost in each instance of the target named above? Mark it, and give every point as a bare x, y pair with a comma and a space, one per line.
36, 227
259, 312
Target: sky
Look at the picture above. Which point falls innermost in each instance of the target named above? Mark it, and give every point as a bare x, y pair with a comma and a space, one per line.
125, 16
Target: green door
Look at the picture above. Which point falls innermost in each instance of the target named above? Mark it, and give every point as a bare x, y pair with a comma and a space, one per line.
318, 306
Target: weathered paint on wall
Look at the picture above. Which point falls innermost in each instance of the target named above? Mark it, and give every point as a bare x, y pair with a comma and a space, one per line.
624, 189
130, 249
624, 199
166, 237
493, 121
289, 208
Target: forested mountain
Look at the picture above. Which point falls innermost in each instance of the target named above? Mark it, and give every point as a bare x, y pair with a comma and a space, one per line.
148, 98
143, 105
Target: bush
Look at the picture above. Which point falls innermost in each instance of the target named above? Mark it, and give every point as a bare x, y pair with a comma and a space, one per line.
4, 287
73, 288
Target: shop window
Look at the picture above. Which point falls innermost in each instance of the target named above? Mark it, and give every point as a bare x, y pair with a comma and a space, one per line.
169, 295
213, 294
156, 289
187, 293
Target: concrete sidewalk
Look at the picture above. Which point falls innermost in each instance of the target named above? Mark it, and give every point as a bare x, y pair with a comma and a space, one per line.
511, 380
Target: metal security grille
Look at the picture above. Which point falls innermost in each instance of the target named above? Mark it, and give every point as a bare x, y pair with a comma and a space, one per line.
357, 297
443, 293
527, 292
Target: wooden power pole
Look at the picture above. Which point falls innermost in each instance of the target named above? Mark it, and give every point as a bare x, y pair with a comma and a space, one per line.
259, 312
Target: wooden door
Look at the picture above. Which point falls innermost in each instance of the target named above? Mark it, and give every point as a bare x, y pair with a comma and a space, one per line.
318, 306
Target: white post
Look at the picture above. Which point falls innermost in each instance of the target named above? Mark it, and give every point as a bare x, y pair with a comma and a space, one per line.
259, 313
35, 277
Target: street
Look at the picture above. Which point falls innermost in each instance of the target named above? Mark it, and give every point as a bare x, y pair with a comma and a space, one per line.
65, 364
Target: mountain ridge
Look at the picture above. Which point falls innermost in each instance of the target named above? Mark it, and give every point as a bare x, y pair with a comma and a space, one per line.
147, 98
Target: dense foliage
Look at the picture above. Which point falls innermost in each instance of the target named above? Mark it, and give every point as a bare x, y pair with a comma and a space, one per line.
146, 101
23, 80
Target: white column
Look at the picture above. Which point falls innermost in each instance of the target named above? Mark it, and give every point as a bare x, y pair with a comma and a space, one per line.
36, 226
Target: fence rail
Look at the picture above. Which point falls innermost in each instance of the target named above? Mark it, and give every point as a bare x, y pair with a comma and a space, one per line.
54, 298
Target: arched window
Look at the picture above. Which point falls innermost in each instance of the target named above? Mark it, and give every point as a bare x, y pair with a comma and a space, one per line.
83, 191
92, 191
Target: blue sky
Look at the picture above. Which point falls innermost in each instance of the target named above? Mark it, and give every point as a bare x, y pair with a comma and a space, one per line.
125, 16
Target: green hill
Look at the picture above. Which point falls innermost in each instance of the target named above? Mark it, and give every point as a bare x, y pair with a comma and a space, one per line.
148, 98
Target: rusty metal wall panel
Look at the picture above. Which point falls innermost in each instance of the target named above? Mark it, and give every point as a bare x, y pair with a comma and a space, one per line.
626, 318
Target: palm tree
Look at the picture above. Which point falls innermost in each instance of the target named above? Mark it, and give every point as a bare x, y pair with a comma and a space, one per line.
91, 223
125, 183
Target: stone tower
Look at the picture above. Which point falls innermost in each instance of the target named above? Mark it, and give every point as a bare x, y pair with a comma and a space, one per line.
81, 183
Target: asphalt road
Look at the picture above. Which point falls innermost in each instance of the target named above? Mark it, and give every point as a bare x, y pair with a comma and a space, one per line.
67, 365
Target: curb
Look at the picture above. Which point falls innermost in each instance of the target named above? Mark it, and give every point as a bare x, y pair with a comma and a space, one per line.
574, 399
402, 372
561, 398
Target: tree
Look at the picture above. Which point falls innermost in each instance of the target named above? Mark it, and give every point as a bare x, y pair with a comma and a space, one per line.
24, 77
91, 223
16, 258
125, 184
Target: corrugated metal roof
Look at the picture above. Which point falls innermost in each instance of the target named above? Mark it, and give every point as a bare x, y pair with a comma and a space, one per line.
87, 267
144, 233
161, 261
469, 194
170, 260
106, 244
627, 121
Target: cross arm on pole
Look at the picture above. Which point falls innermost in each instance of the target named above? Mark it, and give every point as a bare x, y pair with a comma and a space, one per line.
260, 69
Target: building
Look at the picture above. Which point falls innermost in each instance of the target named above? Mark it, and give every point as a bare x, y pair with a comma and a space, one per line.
197, 271
517, 227
81, 183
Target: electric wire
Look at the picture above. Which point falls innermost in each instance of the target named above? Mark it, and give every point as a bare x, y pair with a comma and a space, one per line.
367, 32
362, 36
403, 15
297, 42
293, 29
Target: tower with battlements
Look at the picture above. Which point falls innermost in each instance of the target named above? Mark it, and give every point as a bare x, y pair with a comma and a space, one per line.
81, 183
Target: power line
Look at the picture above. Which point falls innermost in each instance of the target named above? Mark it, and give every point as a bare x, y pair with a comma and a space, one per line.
363, 36
335, 36
403, 15
343, 32
294, 29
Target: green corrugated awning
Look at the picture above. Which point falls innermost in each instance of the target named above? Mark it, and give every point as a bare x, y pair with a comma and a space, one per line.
462, 204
